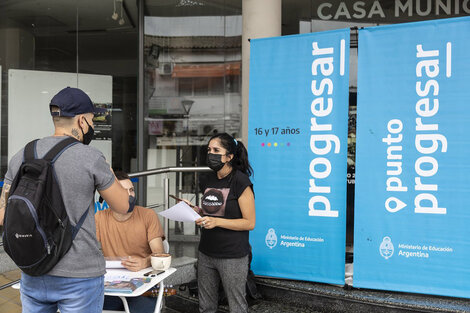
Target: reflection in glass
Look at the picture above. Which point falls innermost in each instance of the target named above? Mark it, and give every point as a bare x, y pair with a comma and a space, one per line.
192, 67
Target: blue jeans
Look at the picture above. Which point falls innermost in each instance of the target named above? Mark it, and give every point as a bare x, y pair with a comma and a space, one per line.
46, 294
136, 304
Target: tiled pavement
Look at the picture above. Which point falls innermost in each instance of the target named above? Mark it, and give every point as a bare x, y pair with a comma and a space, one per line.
9, 297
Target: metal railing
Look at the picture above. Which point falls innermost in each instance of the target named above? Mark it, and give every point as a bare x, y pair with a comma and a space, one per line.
166, 193
166, 183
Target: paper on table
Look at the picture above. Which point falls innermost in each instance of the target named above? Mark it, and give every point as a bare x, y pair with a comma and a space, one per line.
180, 212
114, 262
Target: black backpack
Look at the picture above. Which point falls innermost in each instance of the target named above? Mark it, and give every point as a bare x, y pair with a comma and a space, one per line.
37, 230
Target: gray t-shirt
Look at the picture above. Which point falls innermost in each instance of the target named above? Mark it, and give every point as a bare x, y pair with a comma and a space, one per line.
80, 170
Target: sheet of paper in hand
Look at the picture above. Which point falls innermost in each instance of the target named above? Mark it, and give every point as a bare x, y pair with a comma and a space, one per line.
180, 212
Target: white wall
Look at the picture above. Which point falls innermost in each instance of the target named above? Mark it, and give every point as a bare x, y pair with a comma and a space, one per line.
29, 95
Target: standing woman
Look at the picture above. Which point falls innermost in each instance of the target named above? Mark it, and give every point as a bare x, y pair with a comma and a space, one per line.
228, 210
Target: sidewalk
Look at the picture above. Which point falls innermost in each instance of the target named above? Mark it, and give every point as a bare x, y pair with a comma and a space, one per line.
9, 297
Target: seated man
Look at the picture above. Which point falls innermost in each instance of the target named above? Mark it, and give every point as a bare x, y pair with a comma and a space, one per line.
135, 235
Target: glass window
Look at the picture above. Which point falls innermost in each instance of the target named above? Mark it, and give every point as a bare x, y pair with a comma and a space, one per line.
185, 86
201, 86
232, 83
87, 44
217, 86
195, 46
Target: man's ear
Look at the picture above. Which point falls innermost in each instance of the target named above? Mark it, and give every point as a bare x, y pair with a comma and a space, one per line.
79, 120
82, 121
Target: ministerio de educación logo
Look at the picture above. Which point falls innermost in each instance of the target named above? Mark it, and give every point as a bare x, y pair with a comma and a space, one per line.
271, 238
386, 248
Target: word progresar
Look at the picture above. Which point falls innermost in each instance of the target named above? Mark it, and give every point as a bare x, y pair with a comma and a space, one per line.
321, 106
427, 140
426, 165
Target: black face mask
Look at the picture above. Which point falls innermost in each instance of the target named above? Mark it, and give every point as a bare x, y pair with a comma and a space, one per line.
89, 134
214, 161
131, 204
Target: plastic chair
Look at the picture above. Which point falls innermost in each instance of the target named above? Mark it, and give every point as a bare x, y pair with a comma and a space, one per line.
166, 246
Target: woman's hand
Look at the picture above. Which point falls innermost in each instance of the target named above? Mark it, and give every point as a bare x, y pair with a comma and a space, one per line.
195, 208
187, 202
207, 222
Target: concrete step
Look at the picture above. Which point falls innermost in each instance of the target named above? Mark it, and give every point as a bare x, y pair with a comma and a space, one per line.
336, 299
284, 296
185, 271
183, 303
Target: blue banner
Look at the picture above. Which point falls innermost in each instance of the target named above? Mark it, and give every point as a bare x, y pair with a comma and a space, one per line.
298, 118
412, 208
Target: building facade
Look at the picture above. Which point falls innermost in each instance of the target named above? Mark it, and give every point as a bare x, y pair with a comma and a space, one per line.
171, 72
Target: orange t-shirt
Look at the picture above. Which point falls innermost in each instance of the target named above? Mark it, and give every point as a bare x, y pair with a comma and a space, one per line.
130, 237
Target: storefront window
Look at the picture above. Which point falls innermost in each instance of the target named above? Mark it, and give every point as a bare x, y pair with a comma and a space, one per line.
46, 46
192, 66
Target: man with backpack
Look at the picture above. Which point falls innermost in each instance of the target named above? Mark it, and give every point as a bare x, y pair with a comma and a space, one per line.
47, 209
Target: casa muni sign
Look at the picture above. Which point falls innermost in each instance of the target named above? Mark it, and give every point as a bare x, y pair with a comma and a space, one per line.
390, 9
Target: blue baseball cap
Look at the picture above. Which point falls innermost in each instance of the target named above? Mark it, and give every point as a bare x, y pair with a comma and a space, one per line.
73, 101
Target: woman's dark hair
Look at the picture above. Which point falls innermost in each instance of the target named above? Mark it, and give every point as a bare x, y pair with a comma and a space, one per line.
120, 175
237, 148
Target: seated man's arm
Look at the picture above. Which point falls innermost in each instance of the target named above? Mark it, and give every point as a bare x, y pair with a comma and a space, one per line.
156, 245
135, 263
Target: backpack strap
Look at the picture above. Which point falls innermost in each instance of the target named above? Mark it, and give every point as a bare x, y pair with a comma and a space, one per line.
30, 151
59, 148
52, 156
79, 224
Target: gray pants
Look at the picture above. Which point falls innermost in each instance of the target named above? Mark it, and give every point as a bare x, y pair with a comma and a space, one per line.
232, 273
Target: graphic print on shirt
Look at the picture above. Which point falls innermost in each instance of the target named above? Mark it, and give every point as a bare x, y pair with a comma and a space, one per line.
214, 200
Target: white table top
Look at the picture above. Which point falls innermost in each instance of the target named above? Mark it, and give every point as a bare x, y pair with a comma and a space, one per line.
124, 274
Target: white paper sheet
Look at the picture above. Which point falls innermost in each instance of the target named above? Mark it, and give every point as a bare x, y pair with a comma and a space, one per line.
113, 262
180, 212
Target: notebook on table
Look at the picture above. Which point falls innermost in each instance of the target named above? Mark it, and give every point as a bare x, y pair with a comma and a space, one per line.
124, 286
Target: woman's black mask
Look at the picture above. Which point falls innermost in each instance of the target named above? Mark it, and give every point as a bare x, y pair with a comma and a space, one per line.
214, 161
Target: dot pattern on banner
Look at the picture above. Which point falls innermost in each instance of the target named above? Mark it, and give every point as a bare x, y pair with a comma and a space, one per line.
275, 144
